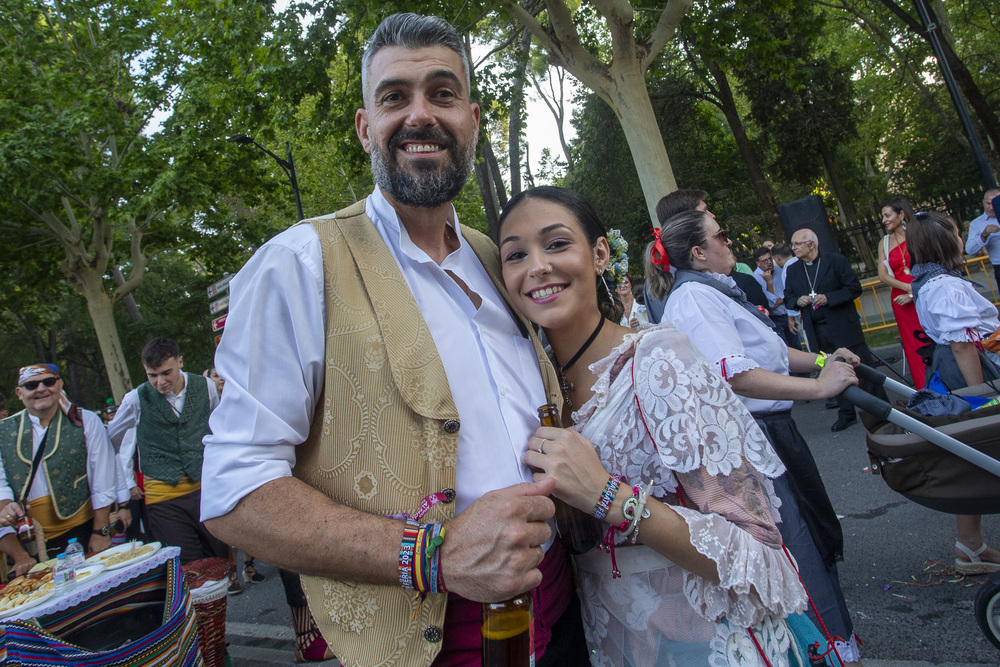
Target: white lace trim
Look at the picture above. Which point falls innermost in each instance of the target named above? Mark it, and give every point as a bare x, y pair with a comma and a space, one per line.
734, 365
755, 582
961, 336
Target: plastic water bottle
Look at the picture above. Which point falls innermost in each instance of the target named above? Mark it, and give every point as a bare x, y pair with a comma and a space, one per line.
64, 574
74, 553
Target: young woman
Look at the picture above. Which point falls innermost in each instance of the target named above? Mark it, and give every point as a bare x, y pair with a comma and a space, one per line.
703, 301
894, 271
956, 317
707, 581
634, 313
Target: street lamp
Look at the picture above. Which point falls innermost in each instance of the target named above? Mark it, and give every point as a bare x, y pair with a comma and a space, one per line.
288, 165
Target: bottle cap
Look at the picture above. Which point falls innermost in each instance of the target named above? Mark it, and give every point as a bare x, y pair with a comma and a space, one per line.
60, 556
70, 541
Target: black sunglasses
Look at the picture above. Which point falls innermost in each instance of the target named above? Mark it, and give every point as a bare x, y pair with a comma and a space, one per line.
32, 385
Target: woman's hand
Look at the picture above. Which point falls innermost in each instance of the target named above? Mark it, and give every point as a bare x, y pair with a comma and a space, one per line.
569, 458
903, 299
835, 377
846, 355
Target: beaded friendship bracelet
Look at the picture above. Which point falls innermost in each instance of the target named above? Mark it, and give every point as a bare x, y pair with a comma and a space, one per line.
607, 497
420, 557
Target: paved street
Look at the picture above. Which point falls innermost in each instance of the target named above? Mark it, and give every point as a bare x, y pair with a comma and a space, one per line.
888, 541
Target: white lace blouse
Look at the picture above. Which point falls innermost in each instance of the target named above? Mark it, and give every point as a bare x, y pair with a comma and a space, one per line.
706, 441
952, 311
733, 339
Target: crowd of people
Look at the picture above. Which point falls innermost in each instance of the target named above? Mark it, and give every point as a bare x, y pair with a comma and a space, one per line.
378, 437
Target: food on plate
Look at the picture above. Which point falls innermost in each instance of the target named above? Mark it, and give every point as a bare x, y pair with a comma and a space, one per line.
127, 555
23, 590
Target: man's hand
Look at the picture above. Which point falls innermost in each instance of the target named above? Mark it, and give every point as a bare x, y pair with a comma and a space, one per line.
820, 300
11, 513
803, 301
125, 517
793, 326
989, 229
843, 354
98, 543
23, 565
491, 550
135, 493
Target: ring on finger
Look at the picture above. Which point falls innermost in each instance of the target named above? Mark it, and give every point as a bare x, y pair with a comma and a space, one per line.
541, 445
541, 554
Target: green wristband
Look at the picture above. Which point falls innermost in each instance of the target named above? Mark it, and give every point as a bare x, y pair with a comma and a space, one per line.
821, 359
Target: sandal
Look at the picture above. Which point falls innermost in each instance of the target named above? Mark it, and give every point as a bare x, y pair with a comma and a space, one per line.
250, 573
974, 565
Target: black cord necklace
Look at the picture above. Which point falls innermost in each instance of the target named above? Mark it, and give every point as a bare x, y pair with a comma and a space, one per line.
563, 384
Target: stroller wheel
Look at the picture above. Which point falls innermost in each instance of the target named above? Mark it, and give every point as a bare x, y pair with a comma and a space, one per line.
988, 609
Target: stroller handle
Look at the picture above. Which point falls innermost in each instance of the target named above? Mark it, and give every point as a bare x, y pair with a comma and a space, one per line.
867, 402
880, 379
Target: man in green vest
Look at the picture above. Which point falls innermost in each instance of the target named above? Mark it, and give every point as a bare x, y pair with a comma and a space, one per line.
170, 414
57, 463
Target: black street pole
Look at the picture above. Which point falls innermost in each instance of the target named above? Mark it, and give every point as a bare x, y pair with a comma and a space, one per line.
288, 165
970, 131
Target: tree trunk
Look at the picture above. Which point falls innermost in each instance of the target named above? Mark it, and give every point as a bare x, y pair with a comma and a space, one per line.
517, 107
498, 186
630, 101
760, 185
489, 199
129, 300
90, 285
846, 206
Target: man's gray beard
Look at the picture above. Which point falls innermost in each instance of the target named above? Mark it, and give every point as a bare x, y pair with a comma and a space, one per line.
424, 187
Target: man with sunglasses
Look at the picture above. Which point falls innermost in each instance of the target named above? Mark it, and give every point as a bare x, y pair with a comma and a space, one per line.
48, 449
823, 286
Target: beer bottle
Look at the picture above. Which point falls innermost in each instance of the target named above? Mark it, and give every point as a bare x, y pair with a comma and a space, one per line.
509, 633
579, 532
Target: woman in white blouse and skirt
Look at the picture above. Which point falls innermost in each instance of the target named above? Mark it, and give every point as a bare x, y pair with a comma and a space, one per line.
957, 318
657, 431
706, 304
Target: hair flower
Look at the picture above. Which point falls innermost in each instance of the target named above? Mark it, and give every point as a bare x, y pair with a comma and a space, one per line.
618, 261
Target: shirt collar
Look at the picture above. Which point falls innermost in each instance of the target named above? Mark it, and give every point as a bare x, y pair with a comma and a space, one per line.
389, 219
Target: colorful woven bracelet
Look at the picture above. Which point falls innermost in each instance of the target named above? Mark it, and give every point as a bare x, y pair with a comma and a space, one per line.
420, 557
407, 549
607, 497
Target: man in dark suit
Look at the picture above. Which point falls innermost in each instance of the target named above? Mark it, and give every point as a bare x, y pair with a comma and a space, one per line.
824, 287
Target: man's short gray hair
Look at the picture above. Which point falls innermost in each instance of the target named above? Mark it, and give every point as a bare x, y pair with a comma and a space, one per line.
808, 235
413, 31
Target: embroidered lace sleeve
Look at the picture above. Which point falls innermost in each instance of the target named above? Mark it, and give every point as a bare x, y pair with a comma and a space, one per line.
693, 415
723, 463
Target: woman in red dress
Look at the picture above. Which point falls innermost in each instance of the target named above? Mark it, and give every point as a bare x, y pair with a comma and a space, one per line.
894, 271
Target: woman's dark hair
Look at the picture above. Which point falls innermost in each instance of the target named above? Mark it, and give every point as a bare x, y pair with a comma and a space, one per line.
901, 205
678, 235
608, 301
933, 237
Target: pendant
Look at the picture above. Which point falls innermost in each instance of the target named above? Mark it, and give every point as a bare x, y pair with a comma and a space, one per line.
566, 387
906, 270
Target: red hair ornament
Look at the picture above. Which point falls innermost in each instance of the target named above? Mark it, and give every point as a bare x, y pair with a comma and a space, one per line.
659, 254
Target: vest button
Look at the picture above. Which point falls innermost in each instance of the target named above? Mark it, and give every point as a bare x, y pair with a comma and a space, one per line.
451, 426
433, 634
449, 495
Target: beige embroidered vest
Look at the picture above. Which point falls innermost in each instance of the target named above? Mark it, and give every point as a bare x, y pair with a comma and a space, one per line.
385, 433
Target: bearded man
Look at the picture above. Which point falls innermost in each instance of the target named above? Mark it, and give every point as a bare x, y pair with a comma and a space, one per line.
379, 387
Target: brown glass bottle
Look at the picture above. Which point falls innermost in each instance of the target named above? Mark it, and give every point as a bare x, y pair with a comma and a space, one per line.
509, 633
26, 530
579, 532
